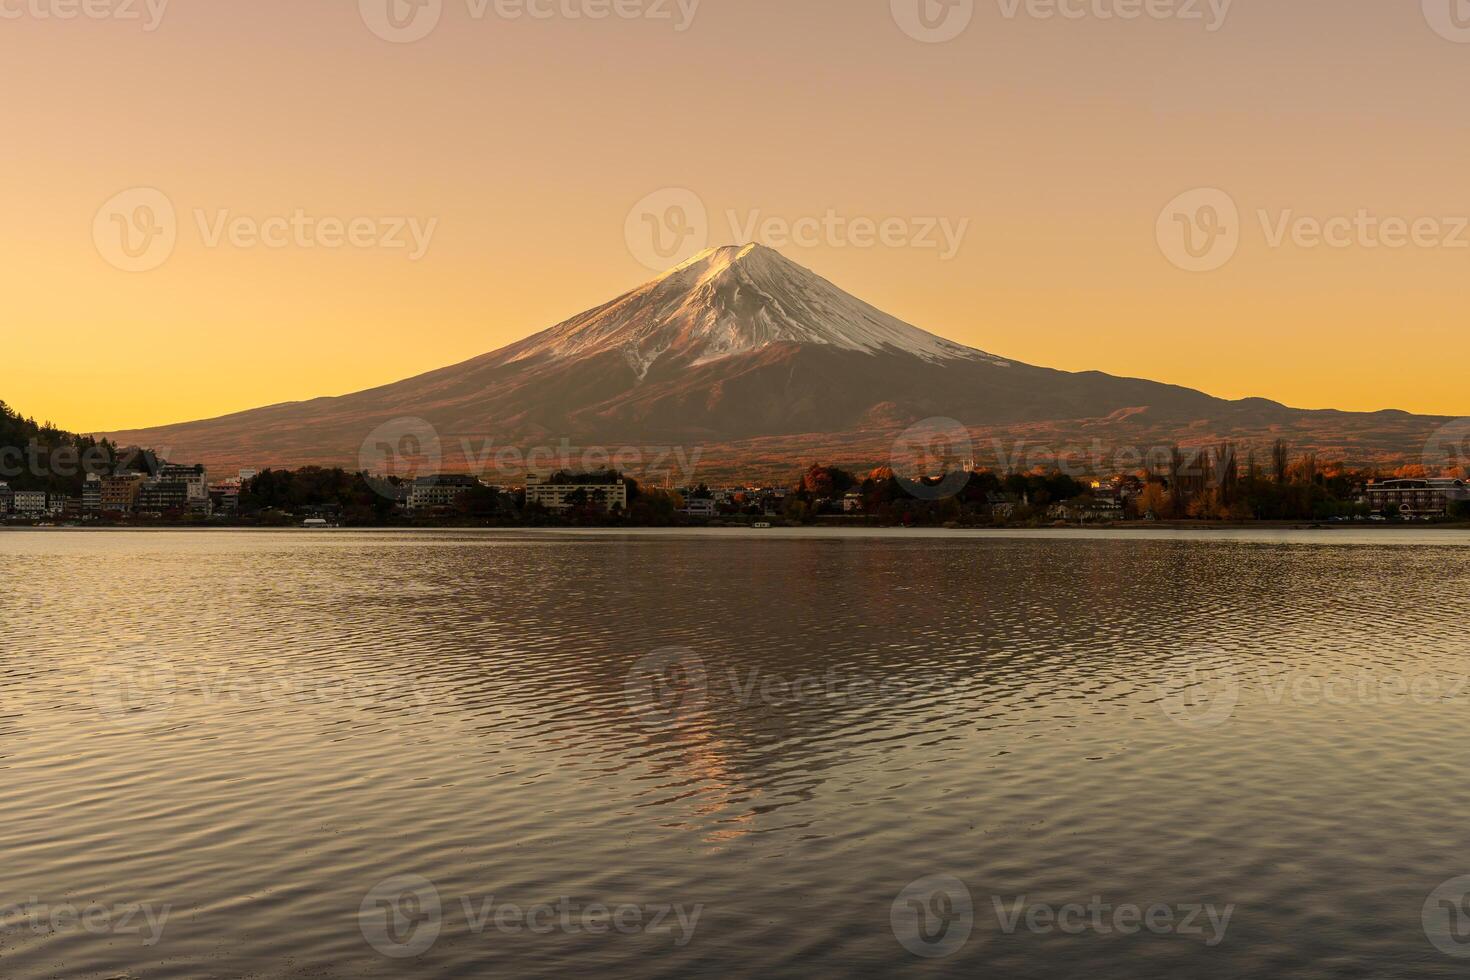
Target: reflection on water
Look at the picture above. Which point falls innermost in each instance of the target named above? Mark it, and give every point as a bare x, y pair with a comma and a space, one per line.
432, 754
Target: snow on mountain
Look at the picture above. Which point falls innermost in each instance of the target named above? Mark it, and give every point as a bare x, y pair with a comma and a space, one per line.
736, 300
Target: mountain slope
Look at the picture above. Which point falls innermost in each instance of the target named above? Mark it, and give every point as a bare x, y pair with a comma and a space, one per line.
738, 347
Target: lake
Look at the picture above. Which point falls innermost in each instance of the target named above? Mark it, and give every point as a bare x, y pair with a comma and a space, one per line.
784, 753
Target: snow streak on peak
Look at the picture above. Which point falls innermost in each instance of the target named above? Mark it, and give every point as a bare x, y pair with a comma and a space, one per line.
734, 300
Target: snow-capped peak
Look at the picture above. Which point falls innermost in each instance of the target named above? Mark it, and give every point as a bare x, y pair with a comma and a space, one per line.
734, 300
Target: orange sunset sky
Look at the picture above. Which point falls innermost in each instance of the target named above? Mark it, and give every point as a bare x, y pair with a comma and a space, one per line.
526, 140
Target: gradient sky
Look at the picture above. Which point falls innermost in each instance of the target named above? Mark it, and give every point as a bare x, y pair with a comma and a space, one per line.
529, 140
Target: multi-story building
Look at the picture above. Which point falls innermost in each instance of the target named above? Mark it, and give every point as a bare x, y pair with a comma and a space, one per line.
92, 494
6, 497
699, 506
1416, 497
429, 492
562, 491
1097, 507
224, 498
30, 503
161, 496
142, 462
120, 493
1119, 488
194, 478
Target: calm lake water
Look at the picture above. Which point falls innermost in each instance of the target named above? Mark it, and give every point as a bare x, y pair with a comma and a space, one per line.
339, 754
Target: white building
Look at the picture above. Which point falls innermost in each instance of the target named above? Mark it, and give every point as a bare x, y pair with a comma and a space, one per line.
699, 506
429, 492
31, 503
564, 493
1414, 497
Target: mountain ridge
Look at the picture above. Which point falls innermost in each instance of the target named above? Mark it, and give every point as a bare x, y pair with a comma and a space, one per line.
740, 346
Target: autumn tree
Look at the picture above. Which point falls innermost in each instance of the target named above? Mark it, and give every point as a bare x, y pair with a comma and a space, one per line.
1154, 500
1281, 462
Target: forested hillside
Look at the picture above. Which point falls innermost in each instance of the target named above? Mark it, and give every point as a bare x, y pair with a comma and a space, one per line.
39, 456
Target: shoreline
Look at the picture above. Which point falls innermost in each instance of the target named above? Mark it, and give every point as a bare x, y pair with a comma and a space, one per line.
1260, 531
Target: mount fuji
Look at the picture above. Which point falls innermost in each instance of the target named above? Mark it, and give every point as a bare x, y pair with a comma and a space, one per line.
765, 366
